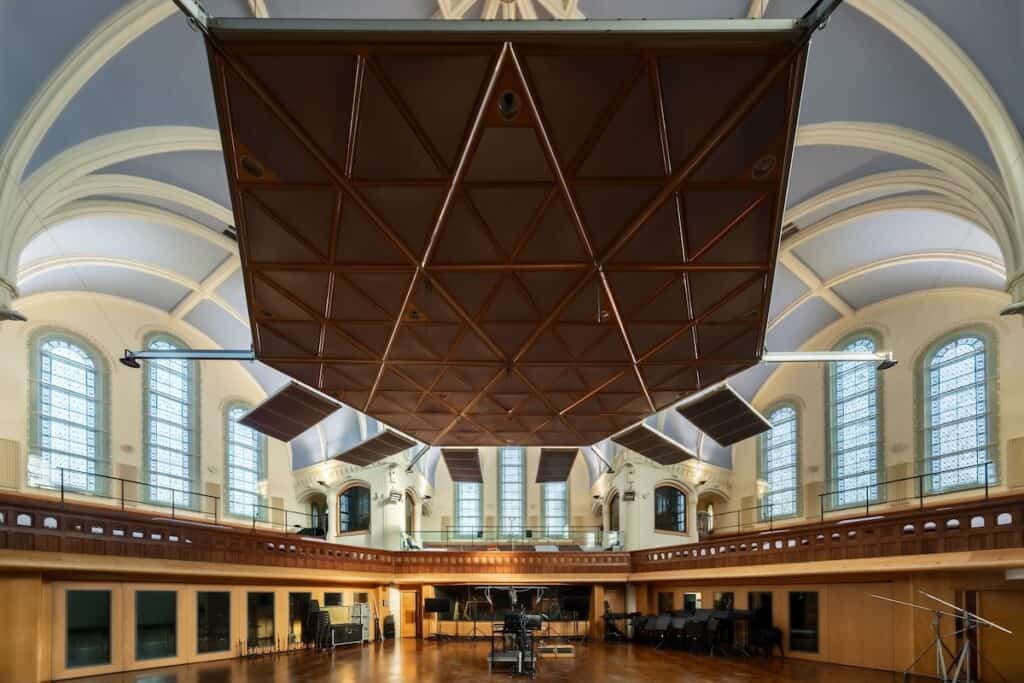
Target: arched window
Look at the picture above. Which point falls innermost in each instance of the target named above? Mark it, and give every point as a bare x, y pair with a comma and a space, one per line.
778, 465
512, 490
957, 410
68, 443
246, 467
555, 507
854, 433
354, 509
669, 509
469, 508
171, 407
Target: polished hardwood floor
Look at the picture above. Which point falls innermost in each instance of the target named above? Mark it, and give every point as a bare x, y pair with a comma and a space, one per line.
459, 662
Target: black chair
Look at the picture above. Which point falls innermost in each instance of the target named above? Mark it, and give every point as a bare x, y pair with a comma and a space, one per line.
765, 640
677, 631
389, 627
716, 633
660, 629
695, 634
323, 630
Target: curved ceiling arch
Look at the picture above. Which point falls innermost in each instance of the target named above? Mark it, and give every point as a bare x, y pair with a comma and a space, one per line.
953, 65
881, 185
980, 261
931, 151
42, 267
43, 189
116, 207
100, 46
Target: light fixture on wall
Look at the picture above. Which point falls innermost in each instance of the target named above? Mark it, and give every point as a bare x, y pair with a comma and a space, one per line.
128, 360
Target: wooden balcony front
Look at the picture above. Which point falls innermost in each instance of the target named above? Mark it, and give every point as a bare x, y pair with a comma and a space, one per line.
33, 527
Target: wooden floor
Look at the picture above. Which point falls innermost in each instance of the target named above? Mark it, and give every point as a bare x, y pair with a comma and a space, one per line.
458, 662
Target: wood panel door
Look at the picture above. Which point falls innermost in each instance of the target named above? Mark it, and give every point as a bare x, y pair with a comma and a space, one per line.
1000, 652
409, 614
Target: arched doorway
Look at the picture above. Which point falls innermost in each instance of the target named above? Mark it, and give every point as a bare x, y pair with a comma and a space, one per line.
316, 506
709, 504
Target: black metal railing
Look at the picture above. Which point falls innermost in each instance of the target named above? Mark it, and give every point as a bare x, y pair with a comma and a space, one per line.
876, 493
708, 524
291, 520
174, 503
523, 537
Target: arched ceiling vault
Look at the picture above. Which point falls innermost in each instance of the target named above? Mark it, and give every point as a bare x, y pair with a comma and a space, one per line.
940, 177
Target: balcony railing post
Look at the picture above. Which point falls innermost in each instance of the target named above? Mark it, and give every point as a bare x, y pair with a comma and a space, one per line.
920, 491
254, 518
172, 504
122, 495
867, 500
986, 480
771, 516
62, 487
216, 508
821, 504
286, 520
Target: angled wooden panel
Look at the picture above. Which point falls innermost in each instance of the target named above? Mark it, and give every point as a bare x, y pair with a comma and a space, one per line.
724, 415
555, 464
377, 447
289, 412
463, 464
653, 444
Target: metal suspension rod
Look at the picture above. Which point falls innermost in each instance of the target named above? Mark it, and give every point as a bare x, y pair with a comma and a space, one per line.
132, 358
416, 459
884, 359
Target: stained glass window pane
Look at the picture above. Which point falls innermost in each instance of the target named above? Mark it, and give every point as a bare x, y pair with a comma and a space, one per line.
67, 415
245, 467
512, 491
956, 410
779, 465
854, 428
468, 507
556, 509
170, 429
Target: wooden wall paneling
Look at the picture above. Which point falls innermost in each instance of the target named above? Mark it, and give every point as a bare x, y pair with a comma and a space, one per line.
1002, 658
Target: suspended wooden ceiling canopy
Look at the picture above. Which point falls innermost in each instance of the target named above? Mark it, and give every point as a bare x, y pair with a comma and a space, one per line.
528, 232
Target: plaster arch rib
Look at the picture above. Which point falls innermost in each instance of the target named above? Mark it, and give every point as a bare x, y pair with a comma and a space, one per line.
969, 84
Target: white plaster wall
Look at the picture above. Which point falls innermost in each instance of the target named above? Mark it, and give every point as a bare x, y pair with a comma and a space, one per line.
580, 501
112, 324
909, 325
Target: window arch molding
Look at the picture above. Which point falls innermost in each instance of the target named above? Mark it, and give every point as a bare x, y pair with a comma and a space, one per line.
832, 479
796, 406
922, 387
188, 476
101, 404
681, 522
613, 497
354, 500
240, 437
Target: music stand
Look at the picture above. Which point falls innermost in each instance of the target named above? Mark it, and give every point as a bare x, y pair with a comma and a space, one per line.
471, 604
436, 606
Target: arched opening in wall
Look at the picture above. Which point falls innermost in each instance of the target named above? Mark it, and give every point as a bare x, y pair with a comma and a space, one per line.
354, 509
670, 509
613, 524
708, 503
316, 508
412, 521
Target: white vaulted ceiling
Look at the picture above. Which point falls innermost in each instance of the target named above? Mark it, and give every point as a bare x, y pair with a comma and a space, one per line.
903, 178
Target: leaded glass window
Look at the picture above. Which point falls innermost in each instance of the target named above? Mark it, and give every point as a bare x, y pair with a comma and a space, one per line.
956, 432
354, 509
468, 507
778, 465
245, 467
67, 434
512, 490
669, 509
556, 509
170, 426
853, 428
